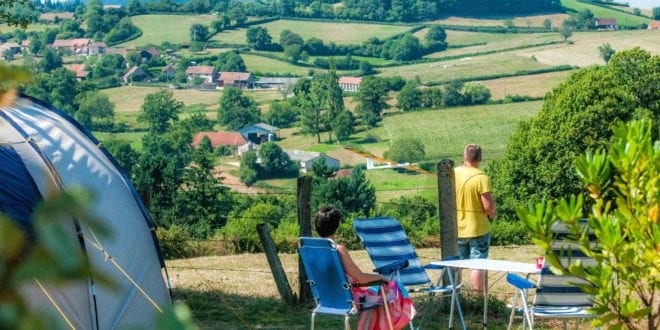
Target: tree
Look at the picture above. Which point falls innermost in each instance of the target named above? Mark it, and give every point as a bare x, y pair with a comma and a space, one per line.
125, 155
431, 98
637, 11
435, 34
343, 125
349, 194
199, 32
453, 95
371, 100
275, 162
288, 38
409, 98
476, 94
606, 52
249, 170
621, 184
94, 110
655, 12
205, 144
406, 48
258, 38
566, 30
366, 68
230, 61
237, 111
406, 150
547, 23
50, 61
281, 114
576, 116
159, 111
135, 7
509, 24
585, 20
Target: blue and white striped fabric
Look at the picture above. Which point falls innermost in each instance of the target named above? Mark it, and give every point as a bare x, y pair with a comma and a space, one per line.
386, 242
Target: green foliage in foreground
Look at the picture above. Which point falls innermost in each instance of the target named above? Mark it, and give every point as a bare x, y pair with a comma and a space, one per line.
623, 183
576, 116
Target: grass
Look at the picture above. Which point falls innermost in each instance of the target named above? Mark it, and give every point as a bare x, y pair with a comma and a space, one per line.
601, 12
532, 85
524, 21
238, 291
584, 51
393, 183
339, 33
172, 28
262, 64
135, 138
32, 27
465, 67
445, 132
494, 41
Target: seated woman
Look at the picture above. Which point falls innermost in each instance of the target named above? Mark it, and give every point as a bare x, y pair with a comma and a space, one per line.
401, 308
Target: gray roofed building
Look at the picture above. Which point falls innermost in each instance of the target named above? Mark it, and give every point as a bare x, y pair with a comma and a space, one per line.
259, 132
306, 159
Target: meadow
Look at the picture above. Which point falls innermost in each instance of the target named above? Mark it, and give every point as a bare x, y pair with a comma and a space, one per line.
531, 85
257, 63
159, 28
524, 21
493, 41
339, 33
601, 12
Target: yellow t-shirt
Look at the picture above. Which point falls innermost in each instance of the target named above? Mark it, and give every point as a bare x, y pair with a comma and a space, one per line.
471, 216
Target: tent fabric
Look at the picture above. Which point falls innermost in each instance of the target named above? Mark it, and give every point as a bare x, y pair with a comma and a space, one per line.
58, 153
18, 192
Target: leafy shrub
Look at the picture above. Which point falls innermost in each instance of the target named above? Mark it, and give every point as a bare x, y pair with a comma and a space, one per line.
509, 232
174, 242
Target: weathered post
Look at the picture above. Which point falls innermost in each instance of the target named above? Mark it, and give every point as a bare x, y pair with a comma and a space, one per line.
275, 264
447, 208
304, 198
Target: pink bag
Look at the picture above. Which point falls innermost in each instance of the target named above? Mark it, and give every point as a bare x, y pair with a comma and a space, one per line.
401, 306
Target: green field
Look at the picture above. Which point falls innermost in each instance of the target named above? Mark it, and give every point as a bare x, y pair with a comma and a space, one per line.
533, 85
601, 12
494, 41
340, 33
135, 138
36, 27
445, 132
256, 63
172, 28
465, 67
525, 21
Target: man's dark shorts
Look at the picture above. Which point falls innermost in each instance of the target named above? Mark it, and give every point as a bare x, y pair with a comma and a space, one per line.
474, 247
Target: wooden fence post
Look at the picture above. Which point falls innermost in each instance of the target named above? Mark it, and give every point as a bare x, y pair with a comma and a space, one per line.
447, 208
304, 200
275, 264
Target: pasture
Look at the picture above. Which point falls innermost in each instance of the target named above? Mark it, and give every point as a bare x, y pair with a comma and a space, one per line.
532, 85
32, 27
238, 291
524, 21
262, 64
159, 28
339, 33
445, 132
494, 41
466, 67
601, 12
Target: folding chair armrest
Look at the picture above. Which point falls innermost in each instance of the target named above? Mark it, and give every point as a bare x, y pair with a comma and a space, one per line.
372, 283
519, 282
391, 268
432, 266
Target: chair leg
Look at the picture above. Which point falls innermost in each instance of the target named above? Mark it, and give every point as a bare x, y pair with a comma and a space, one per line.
528, 313
313, 317
513, 310
347, 323
460, 310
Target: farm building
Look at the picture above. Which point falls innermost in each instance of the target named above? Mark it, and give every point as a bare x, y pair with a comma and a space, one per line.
79, 46
306, 159
52, 17
205, 72
135, 74
349, 84
97, 48
654, 25
236, 79
247, 147
258, 133
9, 49
231, 140
606, 24
25, 44
78, 70
169, 71
147, 54
277, 82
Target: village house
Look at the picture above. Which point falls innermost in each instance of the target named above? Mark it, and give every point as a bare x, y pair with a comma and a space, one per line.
306, 159
9, 49
147, 54
135, 74
79, 46
168, 71
204, 72
231, 140
260, 132
78, 70
25, 44
236, 79
654, 25
350, 84
97, 48
54, 17
106, 7
606, 24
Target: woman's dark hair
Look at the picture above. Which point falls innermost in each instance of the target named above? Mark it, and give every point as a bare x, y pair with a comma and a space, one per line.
327, 220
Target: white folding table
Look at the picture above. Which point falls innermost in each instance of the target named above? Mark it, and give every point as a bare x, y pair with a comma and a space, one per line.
490, 264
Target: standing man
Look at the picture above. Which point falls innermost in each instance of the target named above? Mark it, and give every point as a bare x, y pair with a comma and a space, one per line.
475, 208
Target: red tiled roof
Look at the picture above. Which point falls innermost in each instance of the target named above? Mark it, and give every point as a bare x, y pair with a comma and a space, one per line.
153, 51
200, 69
26, 43
220, 138
350, 80
78, 69
80, 42
654, 25
605, 21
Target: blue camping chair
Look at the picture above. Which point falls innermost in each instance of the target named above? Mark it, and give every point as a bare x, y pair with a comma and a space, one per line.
386, 241
556, 296
327, 279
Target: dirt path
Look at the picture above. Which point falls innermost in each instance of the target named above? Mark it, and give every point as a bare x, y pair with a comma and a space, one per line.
233, 182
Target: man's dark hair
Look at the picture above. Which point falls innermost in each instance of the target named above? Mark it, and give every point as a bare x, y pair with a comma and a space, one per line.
327, 220
472, 153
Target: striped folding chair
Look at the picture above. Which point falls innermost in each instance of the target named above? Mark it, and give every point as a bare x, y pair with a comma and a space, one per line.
556, 296
386, 242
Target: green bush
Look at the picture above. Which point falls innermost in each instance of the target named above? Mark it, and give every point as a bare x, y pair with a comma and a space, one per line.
174, 242
509, 232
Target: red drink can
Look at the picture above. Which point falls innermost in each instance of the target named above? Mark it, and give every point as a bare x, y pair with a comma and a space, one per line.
539, 262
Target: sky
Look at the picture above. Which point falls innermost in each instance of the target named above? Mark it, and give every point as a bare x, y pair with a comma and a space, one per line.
647, 4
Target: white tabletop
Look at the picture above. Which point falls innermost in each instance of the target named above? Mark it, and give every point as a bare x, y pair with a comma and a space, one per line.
491, 264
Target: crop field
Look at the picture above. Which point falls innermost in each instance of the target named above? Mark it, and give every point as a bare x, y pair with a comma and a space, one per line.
445, 132
584, 51
524, 21
256, 63
339, 33
533, 85
36, 27
135, 138
172, 28
494, 41
600, 12
131, 98
465, 67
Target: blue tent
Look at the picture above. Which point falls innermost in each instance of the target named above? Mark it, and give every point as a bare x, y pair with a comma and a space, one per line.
42, 149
